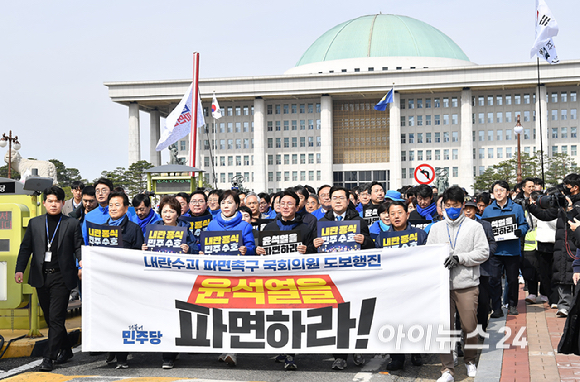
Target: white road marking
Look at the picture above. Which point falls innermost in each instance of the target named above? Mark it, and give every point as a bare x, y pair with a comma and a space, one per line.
28, 366
362, 377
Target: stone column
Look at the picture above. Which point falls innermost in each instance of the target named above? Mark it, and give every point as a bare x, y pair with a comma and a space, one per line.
466, 162
154, 134
260, 178
326, 138
134, 134
396, 181
541, 102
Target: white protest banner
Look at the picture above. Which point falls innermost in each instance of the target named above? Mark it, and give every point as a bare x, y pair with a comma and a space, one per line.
370, 301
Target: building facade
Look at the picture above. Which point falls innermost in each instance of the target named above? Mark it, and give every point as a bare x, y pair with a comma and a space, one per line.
316, 124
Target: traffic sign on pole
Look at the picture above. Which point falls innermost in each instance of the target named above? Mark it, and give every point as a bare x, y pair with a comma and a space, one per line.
424, 174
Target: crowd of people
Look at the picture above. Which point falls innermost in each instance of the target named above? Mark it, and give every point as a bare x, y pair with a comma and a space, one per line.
520, 234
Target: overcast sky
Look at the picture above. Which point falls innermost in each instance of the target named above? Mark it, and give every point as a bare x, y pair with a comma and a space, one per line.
56, 55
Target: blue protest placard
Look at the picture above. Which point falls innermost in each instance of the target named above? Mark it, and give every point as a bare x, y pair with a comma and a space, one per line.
163, 238
221, 242
104, 235
338, 236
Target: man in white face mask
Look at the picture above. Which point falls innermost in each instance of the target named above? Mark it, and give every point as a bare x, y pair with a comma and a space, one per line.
467, 249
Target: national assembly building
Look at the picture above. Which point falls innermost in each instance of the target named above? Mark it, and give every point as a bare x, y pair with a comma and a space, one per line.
316, 124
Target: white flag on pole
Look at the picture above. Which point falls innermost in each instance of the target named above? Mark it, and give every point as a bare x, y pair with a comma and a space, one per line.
546, 28
548, 52
178, 122
215, 108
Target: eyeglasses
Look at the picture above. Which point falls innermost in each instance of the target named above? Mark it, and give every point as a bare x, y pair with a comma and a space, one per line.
339, 198
196, 202
102, 191
287, 204
323, 195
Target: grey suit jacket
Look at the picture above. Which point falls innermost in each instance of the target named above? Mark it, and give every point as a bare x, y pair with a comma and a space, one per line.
68, 207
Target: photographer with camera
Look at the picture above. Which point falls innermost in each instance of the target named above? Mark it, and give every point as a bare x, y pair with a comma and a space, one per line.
564, 209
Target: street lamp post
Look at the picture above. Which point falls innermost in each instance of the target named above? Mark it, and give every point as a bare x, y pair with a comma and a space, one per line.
518, 129
3, 142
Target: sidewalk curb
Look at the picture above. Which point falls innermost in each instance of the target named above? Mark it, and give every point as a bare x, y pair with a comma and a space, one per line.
491, 359
34, 347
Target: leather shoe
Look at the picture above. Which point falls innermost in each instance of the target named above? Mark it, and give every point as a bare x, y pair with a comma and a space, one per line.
416, 359
395, 365
46, 365
64, 356
497, 314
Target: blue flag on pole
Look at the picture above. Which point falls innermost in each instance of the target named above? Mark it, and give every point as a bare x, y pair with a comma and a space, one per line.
387, 99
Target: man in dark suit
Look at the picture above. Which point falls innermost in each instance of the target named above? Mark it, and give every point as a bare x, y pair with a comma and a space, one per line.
54, 240
341, 211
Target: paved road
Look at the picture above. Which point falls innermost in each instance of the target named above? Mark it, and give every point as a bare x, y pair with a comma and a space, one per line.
251, 367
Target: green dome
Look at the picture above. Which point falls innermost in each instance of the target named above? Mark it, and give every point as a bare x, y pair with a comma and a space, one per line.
381, 36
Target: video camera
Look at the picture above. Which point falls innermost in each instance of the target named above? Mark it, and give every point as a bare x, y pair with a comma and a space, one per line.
551, 201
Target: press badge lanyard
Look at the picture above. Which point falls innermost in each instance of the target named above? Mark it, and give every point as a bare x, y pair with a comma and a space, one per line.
456, 235
48, 254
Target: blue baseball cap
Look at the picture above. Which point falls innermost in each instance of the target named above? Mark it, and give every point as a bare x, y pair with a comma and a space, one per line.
394, 195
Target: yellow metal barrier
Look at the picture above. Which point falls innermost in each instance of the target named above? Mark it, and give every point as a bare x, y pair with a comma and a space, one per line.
18, 302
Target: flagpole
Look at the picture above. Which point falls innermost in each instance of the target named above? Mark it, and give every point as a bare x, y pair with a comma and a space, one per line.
211, 155
540, 116
194, 103
212, 158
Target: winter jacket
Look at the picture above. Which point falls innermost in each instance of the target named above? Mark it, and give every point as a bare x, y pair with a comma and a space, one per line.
377, 228
485, 267
508, 247
565, 242
99, 215
78, 213
270, 214
130, 232
307, 218
352, 214
569, 343
319, 213
152, 218
468, 243
414, 215
236, 224
306, 233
